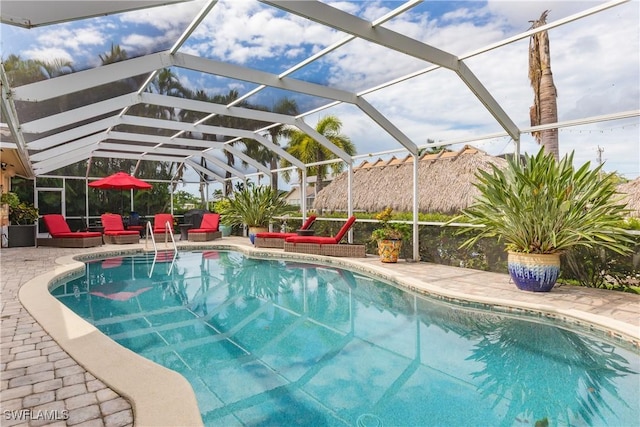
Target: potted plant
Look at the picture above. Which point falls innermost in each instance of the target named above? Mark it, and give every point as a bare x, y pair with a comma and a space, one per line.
220, 206
22, 218
389, 236
542, 208
255, 206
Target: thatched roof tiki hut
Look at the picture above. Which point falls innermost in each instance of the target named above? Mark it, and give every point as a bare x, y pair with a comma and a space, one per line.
445, 183
631, 196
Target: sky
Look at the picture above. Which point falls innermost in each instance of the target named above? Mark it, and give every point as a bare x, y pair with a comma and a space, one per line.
595, 64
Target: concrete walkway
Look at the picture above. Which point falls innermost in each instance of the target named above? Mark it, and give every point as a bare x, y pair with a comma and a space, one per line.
42, 384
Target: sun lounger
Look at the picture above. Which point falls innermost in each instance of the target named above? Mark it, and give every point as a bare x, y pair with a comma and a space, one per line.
159, 223
63, 237
114, 231
208, 229
276, 240
325, 245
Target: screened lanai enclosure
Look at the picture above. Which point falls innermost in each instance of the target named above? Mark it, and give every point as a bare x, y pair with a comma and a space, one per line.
202, 94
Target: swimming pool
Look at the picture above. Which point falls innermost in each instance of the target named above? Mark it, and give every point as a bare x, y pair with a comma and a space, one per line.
267, 342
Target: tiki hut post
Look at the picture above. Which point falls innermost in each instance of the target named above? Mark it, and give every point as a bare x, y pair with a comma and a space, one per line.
350, 198
415, 234
545, 108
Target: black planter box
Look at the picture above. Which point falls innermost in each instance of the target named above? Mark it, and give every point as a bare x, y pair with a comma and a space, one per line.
22, 235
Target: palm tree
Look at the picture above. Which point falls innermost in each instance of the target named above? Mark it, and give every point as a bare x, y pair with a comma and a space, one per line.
261, 153
284, 106
23, 71
229, 122
116, 54
308, 150
545, 108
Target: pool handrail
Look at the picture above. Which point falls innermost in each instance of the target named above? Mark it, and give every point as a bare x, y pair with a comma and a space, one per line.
167, 231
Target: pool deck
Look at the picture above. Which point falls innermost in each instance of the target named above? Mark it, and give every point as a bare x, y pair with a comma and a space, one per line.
55, 366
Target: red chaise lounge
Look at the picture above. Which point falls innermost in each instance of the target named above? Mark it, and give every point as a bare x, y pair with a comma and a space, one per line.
276, 240
208, 229
114, 231
159, 224
63, 237
325, 245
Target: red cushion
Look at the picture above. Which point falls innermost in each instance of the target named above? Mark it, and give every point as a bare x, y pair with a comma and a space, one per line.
112, 262
201, 230
308, 222
112, 222
56, 224
323, 239
160, 220
312, 239
274, 235
210, 221
347, 225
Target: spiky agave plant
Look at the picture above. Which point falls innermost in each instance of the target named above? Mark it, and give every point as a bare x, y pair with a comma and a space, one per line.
255, 207
546, 206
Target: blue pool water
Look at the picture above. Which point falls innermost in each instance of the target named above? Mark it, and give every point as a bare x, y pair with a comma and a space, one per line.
268, 342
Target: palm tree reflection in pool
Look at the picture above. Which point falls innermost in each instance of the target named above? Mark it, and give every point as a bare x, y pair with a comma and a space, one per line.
570, 377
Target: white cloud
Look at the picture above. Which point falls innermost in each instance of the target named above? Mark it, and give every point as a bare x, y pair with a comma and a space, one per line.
48, 54
246, 31
139, 44
164, 18
76, 39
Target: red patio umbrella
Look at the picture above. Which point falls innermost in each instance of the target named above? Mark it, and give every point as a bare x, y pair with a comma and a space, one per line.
120, 181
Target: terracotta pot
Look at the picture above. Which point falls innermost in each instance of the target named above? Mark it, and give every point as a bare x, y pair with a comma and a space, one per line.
389, 250
534, 272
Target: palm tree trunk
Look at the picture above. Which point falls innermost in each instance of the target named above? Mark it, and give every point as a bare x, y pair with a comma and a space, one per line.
545, 107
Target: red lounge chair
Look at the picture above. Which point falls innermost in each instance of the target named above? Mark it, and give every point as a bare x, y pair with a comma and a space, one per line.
62, 236
208, 229
323, 245
160, 221
114, 231
276, 240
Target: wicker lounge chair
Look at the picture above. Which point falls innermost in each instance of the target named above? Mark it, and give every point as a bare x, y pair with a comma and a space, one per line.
159, 224
63, 237
323, 245
208, 229
276, 240
114, 231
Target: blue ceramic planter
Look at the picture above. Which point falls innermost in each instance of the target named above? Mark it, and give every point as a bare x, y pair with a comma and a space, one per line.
534, 272
255, 230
